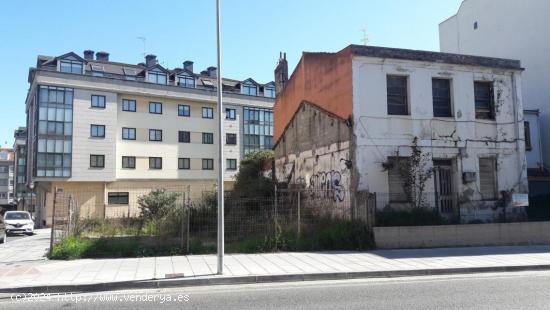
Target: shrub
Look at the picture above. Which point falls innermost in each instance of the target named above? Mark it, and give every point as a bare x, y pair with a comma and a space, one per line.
155, 205
412, 217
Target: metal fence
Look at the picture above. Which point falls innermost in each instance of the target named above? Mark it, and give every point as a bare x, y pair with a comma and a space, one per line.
286, 214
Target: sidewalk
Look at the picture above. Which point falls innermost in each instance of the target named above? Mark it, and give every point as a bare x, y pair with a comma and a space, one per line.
90, 274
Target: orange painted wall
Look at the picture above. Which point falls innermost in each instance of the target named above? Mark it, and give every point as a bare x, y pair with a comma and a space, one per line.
324, 79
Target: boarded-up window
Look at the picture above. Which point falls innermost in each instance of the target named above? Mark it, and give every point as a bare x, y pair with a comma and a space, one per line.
395, 180
397, 95
484, 100
487, 178
441, 93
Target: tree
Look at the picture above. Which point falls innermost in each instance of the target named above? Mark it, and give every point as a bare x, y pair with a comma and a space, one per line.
415, 172
250, 181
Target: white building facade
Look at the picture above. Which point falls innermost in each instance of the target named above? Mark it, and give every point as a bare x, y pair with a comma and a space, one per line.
509, 29
425, 129
108, 132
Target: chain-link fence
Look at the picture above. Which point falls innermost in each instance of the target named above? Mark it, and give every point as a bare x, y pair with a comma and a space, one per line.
287, 219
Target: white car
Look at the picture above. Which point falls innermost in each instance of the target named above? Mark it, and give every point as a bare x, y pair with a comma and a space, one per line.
18, 222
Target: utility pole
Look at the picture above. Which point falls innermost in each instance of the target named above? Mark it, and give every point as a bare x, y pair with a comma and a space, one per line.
221, 228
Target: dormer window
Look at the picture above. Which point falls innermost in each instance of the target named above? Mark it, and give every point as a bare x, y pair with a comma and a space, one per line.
249, 89
269, 92
97, 70
70, 66
156, 77
185, 80
129, 74
207, 83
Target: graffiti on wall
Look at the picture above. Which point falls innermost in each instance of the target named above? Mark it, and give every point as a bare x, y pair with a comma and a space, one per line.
330, 181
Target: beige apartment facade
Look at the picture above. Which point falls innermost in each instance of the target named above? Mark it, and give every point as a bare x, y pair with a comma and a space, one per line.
104, 138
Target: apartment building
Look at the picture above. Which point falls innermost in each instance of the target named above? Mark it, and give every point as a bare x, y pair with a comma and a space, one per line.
511, 29
22, 193
416, 128
99, 129
6, 178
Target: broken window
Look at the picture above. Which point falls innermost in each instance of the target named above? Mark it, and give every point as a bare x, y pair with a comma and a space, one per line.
397, 95
527, 130
441, 93
484, 100
487, 178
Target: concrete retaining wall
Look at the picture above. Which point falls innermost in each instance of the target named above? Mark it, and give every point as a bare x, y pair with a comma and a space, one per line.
462, 235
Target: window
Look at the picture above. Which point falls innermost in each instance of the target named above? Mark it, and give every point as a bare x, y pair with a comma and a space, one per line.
207, 164
257, 129
487, 178
128, 133
129, 162
441, 94
186, 81
231, 164
484, 100
231, 138
155, 107
184, 136
230, 114
97, 70
70, 66
207, 138
128, 105
155, 135
397, 95
207, 112
527, 130
97, 131
54, 142
156, 77
118, 198
184, 110
395, 180
155, 162
249, 89
98, 101
269, 92
97, 161
184, 163
129, 74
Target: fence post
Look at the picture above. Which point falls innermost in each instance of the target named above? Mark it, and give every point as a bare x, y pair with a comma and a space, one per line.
299, 215
188, 214
275, 206
182, 219
53, 221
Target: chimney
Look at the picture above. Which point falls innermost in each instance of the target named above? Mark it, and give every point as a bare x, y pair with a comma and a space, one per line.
212, 71
89, 55
188, 65
150, 60
104, 56
281, 73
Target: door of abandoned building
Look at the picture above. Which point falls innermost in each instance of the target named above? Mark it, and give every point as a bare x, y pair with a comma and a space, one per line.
444, 197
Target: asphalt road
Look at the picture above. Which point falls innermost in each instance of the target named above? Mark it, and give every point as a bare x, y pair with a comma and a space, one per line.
15, 237
525, 290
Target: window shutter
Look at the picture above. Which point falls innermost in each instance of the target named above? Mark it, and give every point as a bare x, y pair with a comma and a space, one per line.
487, 178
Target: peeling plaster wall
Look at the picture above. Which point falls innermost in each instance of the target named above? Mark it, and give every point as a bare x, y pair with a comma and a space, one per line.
313, 152
461, 138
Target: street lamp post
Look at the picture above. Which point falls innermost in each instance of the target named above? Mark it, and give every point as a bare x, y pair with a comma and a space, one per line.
220, 144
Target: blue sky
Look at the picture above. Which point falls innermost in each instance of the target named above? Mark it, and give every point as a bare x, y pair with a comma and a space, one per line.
253, 32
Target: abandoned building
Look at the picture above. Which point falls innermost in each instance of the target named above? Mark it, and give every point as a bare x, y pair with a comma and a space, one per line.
414, 128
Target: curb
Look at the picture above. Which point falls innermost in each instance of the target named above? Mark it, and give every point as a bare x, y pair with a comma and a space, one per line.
229, 280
